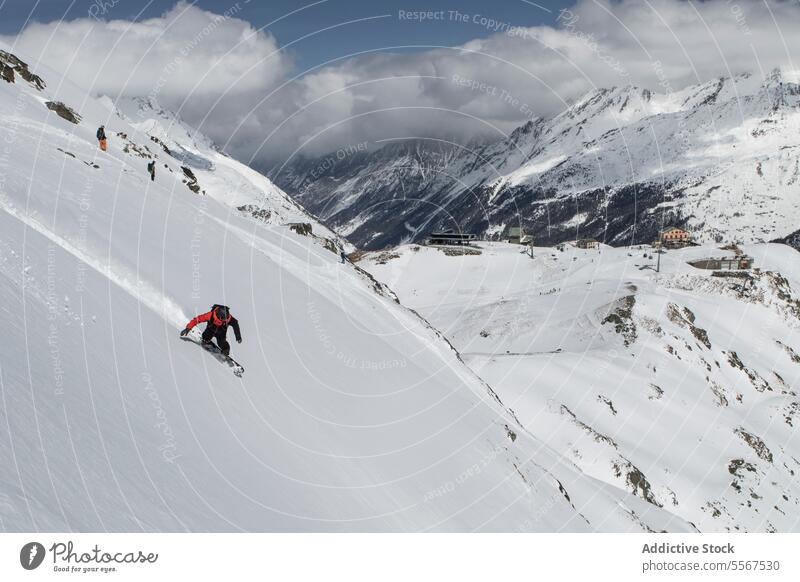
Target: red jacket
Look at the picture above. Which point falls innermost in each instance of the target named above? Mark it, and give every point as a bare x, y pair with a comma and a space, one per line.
214, 321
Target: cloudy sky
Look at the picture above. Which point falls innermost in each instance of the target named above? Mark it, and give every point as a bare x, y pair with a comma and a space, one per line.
269, 80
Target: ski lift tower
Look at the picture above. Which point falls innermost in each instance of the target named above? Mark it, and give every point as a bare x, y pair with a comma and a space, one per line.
659, 250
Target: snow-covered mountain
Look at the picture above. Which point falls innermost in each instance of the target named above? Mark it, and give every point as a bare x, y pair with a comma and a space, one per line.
679, 385
218, 175
720, 158
353, 412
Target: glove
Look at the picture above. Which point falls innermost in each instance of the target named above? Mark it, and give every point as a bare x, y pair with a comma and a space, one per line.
184, 332
238, 340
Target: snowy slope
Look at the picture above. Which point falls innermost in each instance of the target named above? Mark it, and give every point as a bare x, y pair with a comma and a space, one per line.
680, 385
223, 178
353, 413
619, 164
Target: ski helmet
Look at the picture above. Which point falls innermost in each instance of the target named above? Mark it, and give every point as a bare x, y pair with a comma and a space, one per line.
222, 313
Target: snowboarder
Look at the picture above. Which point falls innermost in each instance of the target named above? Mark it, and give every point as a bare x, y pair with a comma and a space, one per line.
219, 318
342, 255
151, 167
101, 137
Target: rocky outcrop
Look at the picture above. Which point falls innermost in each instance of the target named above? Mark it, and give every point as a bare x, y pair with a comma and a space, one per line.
63, 111
11, 66
621, 317
190, 180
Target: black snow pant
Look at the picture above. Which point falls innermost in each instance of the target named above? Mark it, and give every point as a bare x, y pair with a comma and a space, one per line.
219, 333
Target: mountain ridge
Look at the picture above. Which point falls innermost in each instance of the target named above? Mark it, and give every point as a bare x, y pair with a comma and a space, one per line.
617, 165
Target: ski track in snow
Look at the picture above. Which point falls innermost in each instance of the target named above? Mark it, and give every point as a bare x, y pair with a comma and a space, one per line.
139, 290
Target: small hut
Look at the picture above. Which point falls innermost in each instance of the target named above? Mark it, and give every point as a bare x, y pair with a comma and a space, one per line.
587, 243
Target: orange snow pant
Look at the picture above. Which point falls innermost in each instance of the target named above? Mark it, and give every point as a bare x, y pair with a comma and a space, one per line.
103, 144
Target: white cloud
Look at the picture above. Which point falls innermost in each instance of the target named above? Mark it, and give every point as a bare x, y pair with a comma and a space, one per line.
229, 74
187, 50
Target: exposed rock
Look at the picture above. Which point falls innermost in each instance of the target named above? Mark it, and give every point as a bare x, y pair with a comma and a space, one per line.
162, 144
596, 435
790, 412
736, 465
130, 146
792, 240
755, 378
780, 286
303, 228
718, 391
6, 73
10, 64
191, 181
73, 156
713, 507
733, 247
63, 111
622, 320
737, 468
756, 444
384, 257
608, 403
263, 214
685, 318
511, 434
657, 392
652, 326
792, 354
70, 154
760, 287
732, 275
701, 335
330, 245
636, 480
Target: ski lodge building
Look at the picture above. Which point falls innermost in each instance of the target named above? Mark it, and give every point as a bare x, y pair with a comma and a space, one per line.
448, 237
587, 243
673, 238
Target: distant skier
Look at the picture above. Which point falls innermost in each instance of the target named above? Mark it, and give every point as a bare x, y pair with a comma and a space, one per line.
151, 167
101, 137
219, 318
342, 255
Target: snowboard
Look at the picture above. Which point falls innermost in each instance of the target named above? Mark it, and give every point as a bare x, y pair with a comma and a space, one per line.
237, 368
